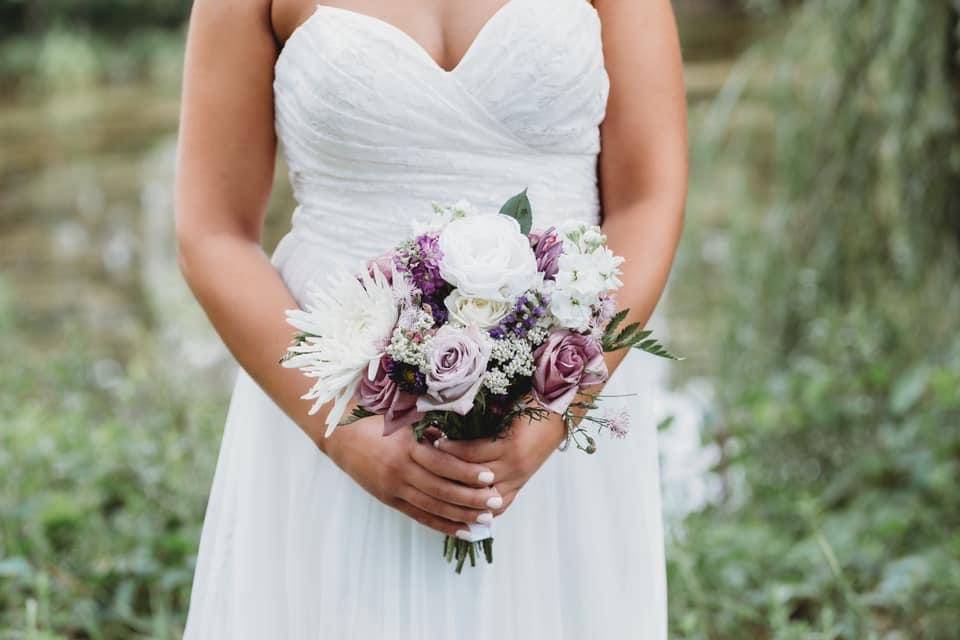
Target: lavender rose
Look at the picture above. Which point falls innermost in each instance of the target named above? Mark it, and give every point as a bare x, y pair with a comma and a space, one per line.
386, 263
564, 364
547, 247
382, 396
457, 359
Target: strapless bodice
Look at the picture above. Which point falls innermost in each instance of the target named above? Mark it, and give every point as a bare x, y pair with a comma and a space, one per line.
373, 129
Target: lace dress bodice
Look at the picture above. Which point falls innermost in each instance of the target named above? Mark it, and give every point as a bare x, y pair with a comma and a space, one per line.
373, 129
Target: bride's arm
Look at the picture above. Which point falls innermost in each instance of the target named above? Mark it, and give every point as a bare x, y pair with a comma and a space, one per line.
643, 162
643, 180
225, 163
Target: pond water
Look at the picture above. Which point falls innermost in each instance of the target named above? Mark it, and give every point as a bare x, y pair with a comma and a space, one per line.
86, 229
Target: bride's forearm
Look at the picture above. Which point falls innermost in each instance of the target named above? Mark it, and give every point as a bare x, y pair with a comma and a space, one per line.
646, 235
245, 299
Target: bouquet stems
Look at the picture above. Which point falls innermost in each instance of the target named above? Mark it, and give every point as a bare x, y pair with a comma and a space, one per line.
459, 551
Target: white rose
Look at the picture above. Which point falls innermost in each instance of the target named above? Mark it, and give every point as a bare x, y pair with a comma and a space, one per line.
476, 311
570, 312
486, 256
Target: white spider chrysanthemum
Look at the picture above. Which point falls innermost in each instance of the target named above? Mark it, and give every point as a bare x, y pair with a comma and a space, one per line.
346, 325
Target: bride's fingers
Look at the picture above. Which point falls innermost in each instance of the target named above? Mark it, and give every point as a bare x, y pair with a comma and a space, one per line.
444, 510
452, 492
430, 520
508, 499
450, 467
479, 451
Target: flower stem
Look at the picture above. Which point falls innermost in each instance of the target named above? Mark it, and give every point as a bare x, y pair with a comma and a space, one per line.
459, 551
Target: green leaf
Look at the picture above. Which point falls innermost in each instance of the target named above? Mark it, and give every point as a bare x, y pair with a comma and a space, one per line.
518, 207
655, 348
614, 323
358, 413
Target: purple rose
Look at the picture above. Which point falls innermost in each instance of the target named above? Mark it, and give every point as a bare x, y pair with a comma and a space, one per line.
383, 397
547, 248
457, 359
565, 363
386, 263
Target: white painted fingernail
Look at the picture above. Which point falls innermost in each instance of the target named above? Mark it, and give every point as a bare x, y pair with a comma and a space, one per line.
436, 443
463, 534
495, 502
485, 518
486, 477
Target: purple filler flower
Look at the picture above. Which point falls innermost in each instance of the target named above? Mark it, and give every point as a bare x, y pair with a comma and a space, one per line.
423, 264
457, 359
547, 248
384, 397
619, 424
529, 308
565, 363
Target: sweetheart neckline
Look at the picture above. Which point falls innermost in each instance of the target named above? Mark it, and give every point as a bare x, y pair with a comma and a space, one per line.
397, 32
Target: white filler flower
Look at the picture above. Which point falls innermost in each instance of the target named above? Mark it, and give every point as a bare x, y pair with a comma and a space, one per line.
486, 257
346, 325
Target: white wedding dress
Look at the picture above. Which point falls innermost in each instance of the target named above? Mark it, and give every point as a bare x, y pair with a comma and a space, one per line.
374, 130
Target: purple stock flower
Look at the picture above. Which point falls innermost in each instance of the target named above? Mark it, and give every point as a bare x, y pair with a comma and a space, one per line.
383, 396
422, 262
547, 248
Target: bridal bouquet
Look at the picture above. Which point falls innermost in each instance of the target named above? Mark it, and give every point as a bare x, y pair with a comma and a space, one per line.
473, 322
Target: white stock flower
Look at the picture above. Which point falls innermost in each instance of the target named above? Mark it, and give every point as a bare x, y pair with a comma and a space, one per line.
347, 323
441, 216
580, 237
475, 311
570, 312
579, 276
580, 282
607, 264
486, 256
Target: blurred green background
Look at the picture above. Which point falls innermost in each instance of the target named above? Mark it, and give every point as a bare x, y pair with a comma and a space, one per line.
812, 460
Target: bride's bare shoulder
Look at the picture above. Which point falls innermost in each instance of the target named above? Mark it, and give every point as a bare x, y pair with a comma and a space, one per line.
224, 20
287, 15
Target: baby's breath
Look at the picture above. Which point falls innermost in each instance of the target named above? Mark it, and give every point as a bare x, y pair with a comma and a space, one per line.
509, 357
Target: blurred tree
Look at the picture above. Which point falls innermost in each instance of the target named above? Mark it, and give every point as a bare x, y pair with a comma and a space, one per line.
825, 217
109, 16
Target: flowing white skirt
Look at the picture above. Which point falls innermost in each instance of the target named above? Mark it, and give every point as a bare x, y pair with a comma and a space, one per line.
293, 549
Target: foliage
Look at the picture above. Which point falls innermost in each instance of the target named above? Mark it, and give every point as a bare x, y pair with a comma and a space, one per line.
819, 278
108, 16
104, 471
66, 60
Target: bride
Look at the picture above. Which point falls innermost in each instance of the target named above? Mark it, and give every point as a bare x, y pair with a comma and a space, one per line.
382, 108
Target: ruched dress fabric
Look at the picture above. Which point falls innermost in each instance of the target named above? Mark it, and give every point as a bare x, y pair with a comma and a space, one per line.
374, 131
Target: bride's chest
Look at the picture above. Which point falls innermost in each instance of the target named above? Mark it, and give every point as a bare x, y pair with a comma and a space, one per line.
533, 76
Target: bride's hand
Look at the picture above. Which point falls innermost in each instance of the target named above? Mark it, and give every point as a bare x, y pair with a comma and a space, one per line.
434, 488
512, 459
